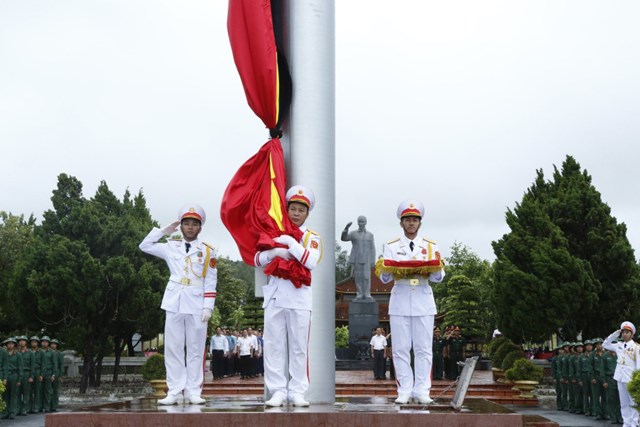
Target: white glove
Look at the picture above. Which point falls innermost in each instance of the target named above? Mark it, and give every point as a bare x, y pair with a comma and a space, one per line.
206, 315
278, 252
285, 240
168, 230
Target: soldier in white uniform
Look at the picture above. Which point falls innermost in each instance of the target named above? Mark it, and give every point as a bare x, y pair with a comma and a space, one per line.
188, 301
628, 352
287, 308
412, 308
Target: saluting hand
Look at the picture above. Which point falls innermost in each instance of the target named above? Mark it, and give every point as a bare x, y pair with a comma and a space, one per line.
346, 227
171, 228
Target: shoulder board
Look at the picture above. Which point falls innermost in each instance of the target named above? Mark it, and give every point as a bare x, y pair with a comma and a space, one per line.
393, 241
175, 238
312, 232
214, 251
433, 242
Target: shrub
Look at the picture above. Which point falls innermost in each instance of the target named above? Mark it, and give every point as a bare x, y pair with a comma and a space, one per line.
494, 344
524, 370
154, 369
634, 388
504, 349
342, 337
2, 404
509, 359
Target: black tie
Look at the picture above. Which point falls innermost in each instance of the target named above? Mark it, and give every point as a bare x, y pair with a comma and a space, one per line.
188, 246
411, 246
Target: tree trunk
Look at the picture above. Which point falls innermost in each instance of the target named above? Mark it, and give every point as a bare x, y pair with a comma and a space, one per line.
131, 346
117, 350
87, 367
98, 379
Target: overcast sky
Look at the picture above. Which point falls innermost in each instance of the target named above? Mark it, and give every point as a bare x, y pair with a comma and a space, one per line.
455, 103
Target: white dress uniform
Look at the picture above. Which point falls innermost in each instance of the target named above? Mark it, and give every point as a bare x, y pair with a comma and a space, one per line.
287, 319
628, 361
412, 310
186, 295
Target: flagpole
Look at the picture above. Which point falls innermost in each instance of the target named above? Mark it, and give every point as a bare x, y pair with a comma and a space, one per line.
310, 156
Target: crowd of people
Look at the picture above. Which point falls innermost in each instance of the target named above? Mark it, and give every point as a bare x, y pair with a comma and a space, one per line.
591, 377
30, 369
235, 352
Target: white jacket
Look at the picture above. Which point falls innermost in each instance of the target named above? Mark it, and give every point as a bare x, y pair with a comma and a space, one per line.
187, 292
407, 299
628, 357
308, 251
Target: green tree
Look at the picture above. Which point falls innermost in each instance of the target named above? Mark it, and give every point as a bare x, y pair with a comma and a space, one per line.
464, 306
16, 234
566, 266
450, 294
83, 277
343, 268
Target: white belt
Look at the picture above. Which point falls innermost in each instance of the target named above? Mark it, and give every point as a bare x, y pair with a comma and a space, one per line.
412, 282
185, 281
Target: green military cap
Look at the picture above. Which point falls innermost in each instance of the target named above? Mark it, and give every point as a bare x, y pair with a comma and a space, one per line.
598, 340
45, 338
55, 341
34, 338
11, 339
588, 342
22, 337
578, 344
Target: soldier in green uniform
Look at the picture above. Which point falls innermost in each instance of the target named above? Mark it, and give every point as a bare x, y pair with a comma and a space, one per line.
586, 375
568, 377
611, 387
577, 378
598, 396
36, 386
24, 399
563, 364
556, 371
456, 352
48, 371
55, 397
439, 344
13, 369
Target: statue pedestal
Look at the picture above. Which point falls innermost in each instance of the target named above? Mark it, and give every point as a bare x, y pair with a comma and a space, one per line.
363, 317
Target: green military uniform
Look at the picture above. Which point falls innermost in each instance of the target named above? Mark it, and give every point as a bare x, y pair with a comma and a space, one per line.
613, 398
565, 368
598, 395
438, 346
48, 371
13, 369
24, 400
55, 397
36, 386
577, 379
586, 375
456, 351
556, 371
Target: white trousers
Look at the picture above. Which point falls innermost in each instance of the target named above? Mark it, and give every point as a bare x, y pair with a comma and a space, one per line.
184, 331
286, 339
629, 414
416, 331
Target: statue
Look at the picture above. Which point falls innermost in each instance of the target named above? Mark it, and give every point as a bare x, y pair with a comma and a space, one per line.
362, 257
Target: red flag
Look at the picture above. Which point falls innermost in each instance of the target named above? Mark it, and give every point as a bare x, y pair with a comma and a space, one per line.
261, 63
253, 206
